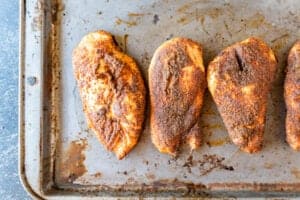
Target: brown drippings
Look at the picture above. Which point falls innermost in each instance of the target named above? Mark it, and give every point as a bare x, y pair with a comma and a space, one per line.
73, 166
218, 142
184, 8
206, 164
198, 15
268, 165
201, 19
135, 14
227, 28
52, 90
183, 20
120, 21
280, 37
255, 21
150, 176
37, 19
97, 175
189, 163
145, 59
125, 38
214, 12
209, 112
146, 162
296, 173
210, 162
212, 126
131, 180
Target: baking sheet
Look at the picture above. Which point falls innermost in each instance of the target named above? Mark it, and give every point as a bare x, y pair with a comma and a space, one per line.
61, 158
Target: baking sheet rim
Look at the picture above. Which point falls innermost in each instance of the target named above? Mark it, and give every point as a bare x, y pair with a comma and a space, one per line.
21, 120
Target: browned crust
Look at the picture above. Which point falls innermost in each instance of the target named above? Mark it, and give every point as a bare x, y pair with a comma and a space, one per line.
292, 97
239, 79
112, 91
177, 84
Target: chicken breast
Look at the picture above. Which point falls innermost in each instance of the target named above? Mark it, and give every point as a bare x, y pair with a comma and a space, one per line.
112, 91
239, 80
177, 84
292, 97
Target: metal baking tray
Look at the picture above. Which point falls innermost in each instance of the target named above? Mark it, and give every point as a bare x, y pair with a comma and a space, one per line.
61, 159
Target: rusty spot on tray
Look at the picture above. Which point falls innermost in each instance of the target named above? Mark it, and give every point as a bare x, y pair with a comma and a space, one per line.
183, 20
190, 13
37, 19
268, 165
256, 186
97, 175
131, 180
185, 7
150, 176
189, 163
210, 162
73, 166
218, 142
255, 21
51, 89
296, 173
227, 28
56, 9
164, 184
131, 14
214, 12
129, 24
206, 164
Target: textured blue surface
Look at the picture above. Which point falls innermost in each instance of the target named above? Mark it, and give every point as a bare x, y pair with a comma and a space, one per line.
10, 186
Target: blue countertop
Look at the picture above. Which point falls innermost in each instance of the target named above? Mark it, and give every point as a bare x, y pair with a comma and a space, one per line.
10, 186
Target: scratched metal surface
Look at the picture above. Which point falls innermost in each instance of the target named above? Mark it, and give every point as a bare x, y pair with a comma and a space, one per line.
71, 159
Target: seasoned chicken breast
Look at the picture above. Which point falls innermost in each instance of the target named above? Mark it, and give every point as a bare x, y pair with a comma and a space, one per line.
292, 97
177, 84
239, 80
112, 91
